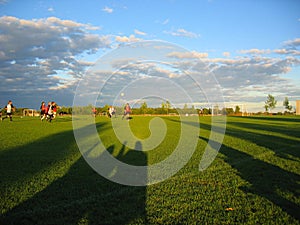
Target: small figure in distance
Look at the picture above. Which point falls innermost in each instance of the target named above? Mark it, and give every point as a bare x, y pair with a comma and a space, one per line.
111, 112
127, 111
43, 109
9, 109
54, 110
51, 111
47, 110
94, 111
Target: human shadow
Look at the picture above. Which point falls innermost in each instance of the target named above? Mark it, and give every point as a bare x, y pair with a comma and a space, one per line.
81, 195
24, 162
266, 180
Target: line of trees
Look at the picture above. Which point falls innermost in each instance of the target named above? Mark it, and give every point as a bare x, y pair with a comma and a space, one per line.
144, 109
271, 103
166, 108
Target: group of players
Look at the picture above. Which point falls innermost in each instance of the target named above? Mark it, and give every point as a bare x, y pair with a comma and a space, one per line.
48, 112
111, 112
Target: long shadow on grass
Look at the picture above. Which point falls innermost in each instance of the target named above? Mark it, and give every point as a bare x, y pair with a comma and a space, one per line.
287, 148
294, 119
283, 147
288, 127
81, 195
266, 180
24, 162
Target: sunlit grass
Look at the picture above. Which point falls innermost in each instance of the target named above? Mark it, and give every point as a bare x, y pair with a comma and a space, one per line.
255, 179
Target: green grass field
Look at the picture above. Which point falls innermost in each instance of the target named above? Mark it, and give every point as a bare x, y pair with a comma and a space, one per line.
255, 179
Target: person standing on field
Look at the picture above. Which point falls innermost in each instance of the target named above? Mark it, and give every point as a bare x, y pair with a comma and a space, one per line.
54, 110
47, 109
51, 111
9, 109
111, 112
44, 112
127, 111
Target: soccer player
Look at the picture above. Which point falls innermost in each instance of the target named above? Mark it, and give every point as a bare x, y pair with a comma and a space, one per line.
44, 112
51, 111
9, 109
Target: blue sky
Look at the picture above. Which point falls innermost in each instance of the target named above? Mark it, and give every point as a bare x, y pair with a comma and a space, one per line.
254, 44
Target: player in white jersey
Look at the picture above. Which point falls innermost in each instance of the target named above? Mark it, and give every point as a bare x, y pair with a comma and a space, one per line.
9, 110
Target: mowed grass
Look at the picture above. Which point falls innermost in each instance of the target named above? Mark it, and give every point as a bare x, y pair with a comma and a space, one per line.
255, 178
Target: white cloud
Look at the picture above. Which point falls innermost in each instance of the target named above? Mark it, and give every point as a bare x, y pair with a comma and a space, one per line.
182, 33
43, 49
251, 78
107, 9
284, 51
290, 47
188, 55
40, 60
226, 54
292, 43
124, 39
50, 9
138, 32
245, 79
166, 21
255, 51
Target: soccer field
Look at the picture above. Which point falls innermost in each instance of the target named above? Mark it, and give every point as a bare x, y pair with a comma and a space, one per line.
255, 178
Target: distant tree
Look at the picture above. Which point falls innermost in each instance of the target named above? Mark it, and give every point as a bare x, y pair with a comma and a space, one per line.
144, 107
237, 109
206, 111
287, 105
168, 106
163, 106
266, 108
65, 110
185, 107
270, 103
228, 111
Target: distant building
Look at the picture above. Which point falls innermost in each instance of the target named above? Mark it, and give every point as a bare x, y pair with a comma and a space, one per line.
297, 107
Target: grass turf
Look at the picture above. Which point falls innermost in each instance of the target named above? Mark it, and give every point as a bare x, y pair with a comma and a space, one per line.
254, 179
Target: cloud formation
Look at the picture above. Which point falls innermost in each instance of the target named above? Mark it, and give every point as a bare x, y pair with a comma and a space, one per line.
255, 51
188, 55
3, 1
292, 43
42, 59
183, 33
247, 78
124, 39
107, 9
41, 54
138, 32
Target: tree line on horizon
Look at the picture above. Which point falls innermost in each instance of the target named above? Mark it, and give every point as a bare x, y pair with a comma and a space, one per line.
165, 108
